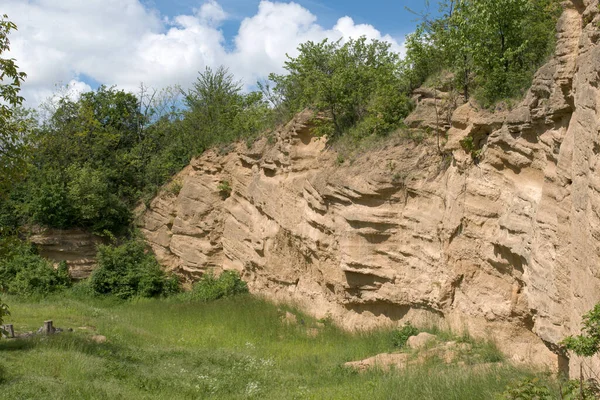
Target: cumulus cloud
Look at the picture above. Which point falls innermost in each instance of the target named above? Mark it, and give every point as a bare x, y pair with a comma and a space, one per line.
123, 42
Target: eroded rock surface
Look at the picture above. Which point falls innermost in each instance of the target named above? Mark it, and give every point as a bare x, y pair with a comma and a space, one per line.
77, 247
503, 241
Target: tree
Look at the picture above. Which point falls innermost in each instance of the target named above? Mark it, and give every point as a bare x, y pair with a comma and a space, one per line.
493, 46
219, 112
11, 126
355, 83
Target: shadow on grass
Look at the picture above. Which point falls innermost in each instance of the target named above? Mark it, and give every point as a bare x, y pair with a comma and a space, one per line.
16, 345
69, 342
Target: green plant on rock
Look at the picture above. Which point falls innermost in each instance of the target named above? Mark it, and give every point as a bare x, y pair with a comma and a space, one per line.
175, 187
224, 188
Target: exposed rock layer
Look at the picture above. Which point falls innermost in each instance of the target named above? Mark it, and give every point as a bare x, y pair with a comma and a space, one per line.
77, 247
505, 244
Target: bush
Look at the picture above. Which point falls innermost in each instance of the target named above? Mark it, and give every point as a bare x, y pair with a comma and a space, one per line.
400, 336
25, 273
128, 271
357, 85
211, 287
535, 388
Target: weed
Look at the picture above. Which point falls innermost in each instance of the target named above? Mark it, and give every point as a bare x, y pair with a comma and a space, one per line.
175, 187
224, 189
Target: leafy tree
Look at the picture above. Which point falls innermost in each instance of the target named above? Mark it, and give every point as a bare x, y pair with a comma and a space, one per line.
12, 125
218, 112
491, 46
354, 83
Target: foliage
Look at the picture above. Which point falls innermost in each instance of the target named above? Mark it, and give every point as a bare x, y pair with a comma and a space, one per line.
219, 112
128, 271
493, 47
211, 287
357, 85
528, 389
24, 272
224, 188
538, 389
95, 157
588, 343
400, 336
13, 123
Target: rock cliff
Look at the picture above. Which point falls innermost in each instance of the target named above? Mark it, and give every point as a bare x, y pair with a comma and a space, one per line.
503, 240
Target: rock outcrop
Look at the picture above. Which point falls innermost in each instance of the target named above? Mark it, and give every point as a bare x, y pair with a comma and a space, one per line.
503, 240
77, 247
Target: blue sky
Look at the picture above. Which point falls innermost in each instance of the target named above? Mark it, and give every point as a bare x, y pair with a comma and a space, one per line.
388, 16
84, 43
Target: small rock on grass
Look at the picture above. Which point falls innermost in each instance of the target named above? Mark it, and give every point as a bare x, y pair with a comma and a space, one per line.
421, 340
99, 339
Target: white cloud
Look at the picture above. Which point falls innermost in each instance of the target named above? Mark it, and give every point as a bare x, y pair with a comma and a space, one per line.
124, 43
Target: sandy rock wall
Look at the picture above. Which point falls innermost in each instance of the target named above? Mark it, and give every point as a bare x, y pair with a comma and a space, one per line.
77, 247
503, 241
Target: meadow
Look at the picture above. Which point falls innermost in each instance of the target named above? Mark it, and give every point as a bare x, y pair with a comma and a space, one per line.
232, 348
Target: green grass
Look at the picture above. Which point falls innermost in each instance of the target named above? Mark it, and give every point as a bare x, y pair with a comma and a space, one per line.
235, 348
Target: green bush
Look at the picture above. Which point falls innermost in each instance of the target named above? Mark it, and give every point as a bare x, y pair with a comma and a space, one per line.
23, 272
211, 287
128, 271
588, 343
538, 389
399, 337
357, 85
489, 48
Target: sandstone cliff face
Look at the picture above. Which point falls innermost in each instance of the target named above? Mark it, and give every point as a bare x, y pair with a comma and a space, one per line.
77, 247
506, 245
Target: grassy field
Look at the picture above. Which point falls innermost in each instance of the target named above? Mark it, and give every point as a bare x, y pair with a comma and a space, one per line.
235, 348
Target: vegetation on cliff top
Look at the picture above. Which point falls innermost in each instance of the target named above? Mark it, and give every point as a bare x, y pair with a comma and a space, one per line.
90, 160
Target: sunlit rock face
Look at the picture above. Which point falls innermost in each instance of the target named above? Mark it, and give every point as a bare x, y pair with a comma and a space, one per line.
503, 240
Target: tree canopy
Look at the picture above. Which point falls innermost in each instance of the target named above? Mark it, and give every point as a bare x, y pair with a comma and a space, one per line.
12, 121
491, 47
357, 84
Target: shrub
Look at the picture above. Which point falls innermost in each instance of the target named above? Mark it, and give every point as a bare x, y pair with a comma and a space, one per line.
211, 287
128, 270
535, 388
399, 337
24, 272
588, 343
224, 189
357, 85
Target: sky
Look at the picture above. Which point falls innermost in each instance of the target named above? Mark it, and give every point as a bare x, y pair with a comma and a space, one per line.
81, 44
